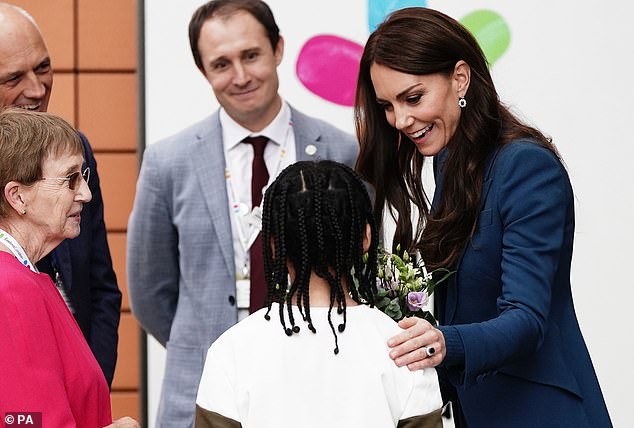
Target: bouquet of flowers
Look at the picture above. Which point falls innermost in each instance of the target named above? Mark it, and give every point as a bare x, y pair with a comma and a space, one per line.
404, 286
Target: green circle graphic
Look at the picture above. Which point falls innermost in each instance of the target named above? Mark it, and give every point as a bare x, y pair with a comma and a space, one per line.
491, 32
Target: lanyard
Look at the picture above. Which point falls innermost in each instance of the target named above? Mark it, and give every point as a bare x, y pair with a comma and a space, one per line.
239, 209
16, 249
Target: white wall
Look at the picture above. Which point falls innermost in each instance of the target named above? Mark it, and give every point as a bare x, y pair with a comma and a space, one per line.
567, 71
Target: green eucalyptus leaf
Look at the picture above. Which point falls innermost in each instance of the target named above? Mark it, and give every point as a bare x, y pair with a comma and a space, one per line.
383, 303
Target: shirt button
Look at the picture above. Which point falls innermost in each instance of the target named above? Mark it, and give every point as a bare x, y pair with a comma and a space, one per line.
232, 300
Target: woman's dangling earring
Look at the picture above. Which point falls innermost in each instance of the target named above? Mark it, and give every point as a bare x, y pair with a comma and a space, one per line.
462, 102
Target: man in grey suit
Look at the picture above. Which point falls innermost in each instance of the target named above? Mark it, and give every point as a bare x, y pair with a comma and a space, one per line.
193, 222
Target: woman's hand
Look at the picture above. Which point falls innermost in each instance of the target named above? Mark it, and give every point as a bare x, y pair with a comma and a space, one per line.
419, 346
124, 422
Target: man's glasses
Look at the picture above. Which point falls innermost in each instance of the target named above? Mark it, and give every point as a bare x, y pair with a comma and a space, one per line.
73, 179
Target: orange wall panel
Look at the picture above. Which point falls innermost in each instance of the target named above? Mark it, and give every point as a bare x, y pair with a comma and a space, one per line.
126, 374
125, 404
118, 174
93, 48
56, 21
108, 110
117, 243
107, 35
62, 101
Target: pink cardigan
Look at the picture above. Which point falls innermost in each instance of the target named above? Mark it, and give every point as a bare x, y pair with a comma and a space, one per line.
45, 363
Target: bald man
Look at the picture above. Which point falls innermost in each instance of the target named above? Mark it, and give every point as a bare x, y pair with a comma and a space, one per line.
81, 268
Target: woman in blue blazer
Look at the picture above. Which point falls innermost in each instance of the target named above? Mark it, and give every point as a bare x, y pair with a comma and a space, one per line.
508, 346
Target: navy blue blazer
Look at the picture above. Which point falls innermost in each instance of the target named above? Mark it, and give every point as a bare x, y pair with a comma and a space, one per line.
514, 348
85, 267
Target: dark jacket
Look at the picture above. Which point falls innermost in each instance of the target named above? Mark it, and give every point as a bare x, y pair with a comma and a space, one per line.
85, 267
515, 352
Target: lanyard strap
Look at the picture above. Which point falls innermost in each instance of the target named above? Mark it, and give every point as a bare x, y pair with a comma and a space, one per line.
16, 249
238, 208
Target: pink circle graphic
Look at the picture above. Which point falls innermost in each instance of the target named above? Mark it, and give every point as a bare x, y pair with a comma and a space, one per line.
328, 65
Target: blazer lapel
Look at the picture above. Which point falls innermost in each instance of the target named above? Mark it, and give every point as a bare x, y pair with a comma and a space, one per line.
308, 142
442, 292
61, 257
208, 163
452, 289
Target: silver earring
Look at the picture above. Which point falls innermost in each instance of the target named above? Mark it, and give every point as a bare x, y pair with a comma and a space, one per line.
23, 212
462, 102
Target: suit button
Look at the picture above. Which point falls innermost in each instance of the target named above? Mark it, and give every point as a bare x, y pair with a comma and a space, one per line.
232, 300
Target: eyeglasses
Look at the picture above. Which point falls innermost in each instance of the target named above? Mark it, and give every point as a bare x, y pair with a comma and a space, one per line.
73, 179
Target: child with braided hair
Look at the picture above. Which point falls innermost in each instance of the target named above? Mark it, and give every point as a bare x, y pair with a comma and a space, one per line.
317, 225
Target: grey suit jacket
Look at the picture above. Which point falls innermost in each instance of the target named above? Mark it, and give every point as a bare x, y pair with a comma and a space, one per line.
180, 263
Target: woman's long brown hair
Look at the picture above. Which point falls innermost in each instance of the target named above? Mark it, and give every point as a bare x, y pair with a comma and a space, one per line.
423, 41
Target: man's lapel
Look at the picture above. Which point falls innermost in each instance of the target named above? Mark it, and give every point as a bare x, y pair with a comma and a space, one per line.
308, 143
61, 256
208, 163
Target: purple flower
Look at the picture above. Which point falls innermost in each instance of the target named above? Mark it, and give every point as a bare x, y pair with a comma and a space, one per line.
416, 300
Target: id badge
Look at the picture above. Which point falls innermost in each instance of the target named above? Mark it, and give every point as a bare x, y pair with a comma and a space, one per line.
243, 295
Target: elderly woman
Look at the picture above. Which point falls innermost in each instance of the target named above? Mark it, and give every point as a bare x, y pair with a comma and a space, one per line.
46, 365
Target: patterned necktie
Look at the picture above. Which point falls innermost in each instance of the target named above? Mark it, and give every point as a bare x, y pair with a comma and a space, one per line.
259, 179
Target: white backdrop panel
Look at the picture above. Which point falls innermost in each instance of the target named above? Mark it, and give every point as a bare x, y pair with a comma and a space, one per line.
566, 70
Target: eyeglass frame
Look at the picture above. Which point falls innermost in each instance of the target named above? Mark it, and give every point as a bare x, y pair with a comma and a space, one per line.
72, 179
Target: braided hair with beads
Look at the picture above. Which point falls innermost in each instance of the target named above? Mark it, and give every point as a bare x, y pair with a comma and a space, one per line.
315, 216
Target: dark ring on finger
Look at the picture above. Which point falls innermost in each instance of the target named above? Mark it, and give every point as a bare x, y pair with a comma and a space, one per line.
430, 350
